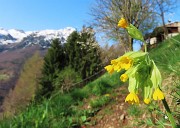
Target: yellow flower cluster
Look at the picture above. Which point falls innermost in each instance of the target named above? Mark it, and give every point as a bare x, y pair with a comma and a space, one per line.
124, 62
133, 62
133, 98
141, 71
122, 23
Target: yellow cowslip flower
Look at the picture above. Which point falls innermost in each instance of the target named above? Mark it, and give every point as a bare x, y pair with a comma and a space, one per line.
132, 98
117, 67
107, 95
158, 94
124, 77
110, 69
114, 62
126, 62
122, 23
147, 100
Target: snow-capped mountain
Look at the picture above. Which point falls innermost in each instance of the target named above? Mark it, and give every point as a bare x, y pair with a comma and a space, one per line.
42, 38
17, 34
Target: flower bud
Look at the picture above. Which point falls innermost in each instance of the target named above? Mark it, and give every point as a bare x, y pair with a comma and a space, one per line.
135, 33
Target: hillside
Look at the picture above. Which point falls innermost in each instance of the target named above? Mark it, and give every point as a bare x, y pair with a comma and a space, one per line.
16, 46
100, 104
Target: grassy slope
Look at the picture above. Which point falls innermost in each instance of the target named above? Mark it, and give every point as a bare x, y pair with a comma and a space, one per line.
167, 58
64, 110
76, 108
167, 55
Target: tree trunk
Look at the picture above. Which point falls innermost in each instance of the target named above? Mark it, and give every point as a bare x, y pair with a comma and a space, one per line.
164, 26
130, 44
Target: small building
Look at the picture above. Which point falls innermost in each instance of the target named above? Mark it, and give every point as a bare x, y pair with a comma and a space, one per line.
173, 29
158, 34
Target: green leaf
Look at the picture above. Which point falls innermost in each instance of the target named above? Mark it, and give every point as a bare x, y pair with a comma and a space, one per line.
131, 72
83, 118
135, 54
147, 89
132, 84
156, 76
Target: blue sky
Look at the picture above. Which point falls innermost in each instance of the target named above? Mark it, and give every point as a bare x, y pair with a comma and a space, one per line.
44, 14
30, 15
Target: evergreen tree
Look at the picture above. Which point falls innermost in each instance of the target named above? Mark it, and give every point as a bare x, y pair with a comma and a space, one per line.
91, 62
54, 62
72, 48
83, 52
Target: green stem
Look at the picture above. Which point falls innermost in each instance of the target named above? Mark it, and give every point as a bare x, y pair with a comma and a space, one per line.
171, 118
145, 46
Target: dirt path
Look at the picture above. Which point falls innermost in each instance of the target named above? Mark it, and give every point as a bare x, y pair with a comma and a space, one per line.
113, 115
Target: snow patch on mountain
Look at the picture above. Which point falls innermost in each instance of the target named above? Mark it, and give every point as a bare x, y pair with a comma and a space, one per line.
18, 36
51, 34
3, 32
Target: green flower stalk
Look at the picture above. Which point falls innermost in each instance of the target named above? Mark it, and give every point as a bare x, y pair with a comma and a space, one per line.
141, 72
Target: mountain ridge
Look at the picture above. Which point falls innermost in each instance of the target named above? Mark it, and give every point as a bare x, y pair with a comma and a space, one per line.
43, 38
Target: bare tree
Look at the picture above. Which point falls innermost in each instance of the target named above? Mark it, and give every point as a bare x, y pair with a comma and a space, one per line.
161, 7
107, 13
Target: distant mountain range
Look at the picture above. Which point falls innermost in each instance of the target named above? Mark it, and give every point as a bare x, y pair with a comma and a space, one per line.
16, 46
13, 38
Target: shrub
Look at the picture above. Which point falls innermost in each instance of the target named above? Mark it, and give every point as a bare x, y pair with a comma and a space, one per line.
66, 79
79, 94
101, 88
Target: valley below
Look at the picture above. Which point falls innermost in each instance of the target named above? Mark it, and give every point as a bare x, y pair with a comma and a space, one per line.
11, 63
16, 46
